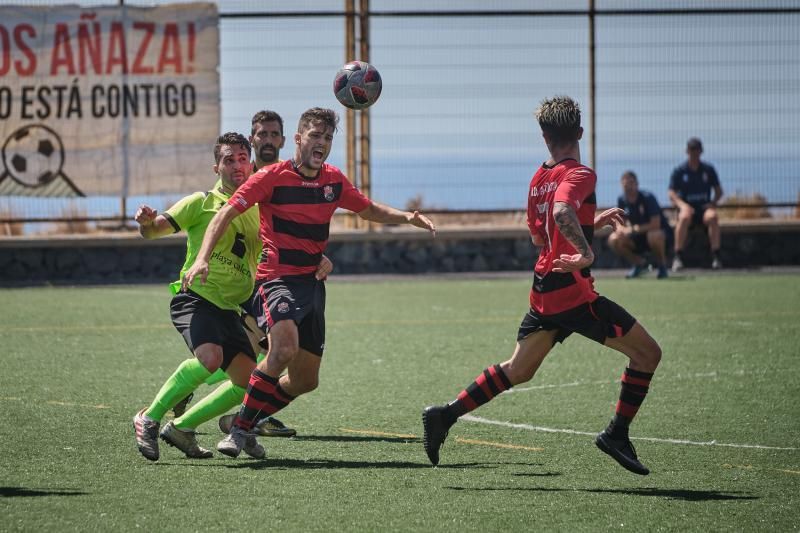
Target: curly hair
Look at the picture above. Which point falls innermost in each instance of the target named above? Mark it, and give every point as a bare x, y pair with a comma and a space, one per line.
265, 116
230, 138
560, 118
328, 117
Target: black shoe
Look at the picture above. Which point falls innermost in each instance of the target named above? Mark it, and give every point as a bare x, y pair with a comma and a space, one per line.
180, 407
435, 431
621, 451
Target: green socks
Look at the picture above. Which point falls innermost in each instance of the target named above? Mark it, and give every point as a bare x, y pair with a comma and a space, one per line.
189, 375
220, 374
217, 403
216, 377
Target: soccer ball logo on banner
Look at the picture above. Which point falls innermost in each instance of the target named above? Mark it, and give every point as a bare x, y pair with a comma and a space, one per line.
33, 157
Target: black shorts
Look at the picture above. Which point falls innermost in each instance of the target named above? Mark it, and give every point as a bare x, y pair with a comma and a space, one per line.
199, 322
599, 320
298, 298
697, 216
640, 244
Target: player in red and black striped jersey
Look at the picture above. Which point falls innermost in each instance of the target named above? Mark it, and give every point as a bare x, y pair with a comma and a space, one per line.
296, 200
561, 219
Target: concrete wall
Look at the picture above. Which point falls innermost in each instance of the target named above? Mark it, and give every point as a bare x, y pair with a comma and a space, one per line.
131, 259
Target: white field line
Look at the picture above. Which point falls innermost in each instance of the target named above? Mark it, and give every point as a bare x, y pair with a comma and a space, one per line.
699, 375
528, 427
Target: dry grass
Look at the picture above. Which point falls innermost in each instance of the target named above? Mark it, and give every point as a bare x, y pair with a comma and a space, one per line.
72, 227
797, 207
10, 229
758, 210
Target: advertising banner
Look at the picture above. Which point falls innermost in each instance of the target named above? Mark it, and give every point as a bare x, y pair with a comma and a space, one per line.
108, 101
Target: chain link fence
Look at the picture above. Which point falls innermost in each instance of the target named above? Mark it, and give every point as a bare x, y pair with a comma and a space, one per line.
454, 127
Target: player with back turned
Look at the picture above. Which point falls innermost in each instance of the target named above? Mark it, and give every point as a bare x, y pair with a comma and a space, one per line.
561, 219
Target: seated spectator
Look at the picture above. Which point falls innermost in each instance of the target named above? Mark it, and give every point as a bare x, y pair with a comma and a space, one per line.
646, 229
690, 190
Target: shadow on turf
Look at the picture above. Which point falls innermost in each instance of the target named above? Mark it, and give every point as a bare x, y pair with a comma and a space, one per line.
670, 494
354, 438
320, 464
22, 492
345, 438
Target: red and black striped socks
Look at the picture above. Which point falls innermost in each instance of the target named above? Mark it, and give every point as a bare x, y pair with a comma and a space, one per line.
264, 397
486, 386
634, 387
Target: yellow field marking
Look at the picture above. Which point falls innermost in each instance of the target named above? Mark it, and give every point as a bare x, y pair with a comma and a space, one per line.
498, 445
56, 402
378, 433
422, 321
458, 439
750, 467
72, 404
743, 467
109, 327
510, 319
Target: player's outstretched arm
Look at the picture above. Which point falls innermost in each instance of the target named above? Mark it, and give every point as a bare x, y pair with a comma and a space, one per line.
216, 228
389, 215
151, 224
614, 217
570, 227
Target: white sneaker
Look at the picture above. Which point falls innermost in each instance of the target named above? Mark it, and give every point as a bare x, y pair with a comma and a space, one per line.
146, 435
253, 448
269, 426
185, 441
716, 264
238, 440
677, 264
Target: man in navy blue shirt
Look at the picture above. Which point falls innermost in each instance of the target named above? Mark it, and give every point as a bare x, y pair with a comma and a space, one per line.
646, 228
690, 189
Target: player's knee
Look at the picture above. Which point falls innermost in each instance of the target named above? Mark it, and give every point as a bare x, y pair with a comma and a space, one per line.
710, 217
655, 354
655, 236
305, 384
649, 355
283, 352
210, 356
517, 373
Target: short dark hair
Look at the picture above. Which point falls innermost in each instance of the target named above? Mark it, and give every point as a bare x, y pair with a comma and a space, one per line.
694, 144
630, 173
560, 118
265, 116
230, 138
318, 114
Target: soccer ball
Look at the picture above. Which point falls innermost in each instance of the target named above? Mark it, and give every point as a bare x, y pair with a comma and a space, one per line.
357, 85
33, 155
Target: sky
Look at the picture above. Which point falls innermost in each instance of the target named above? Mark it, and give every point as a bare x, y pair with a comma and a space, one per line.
454, 125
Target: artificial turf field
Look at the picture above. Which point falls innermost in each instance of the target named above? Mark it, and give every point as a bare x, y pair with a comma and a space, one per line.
720, 429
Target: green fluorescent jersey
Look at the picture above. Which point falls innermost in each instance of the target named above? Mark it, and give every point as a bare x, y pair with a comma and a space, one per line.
232, 267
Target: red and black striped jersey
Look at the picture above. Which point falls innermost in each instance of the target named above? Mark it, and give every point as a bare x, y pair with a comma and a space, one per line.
295, 214
572, 183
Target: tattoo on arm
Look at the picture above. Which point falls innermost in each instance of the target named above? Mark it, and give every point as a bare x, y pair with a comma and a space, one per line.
570, 227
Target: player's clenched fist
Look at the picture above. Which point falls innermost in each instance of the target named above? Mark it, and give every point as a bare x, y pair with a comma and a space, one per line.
145, 215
